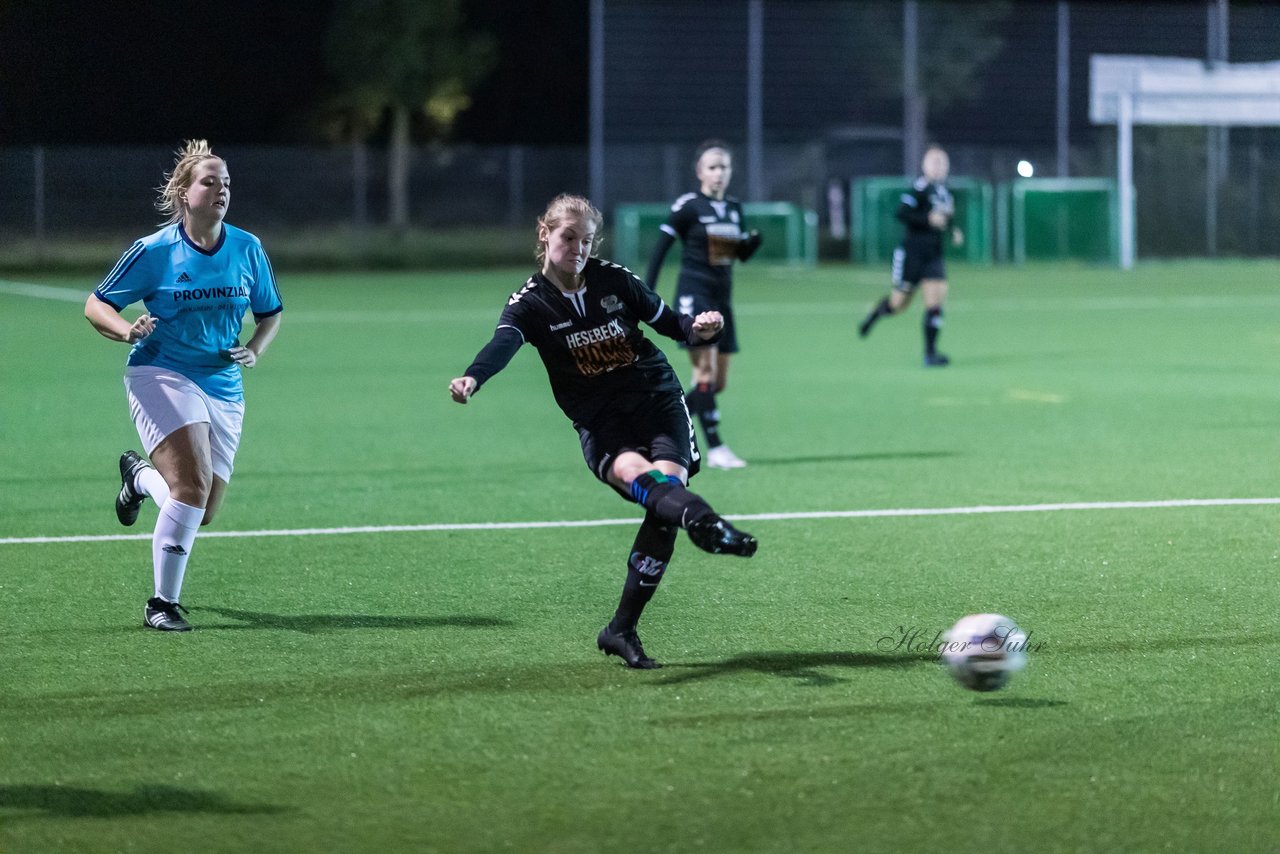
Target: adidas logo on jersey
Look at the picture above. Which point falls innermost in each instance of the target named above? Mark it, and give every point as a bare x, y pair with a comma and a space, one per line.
182, 279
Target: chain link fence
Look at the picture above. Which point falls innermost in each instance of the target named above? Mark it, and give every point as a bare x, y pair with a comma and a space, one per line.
63, 194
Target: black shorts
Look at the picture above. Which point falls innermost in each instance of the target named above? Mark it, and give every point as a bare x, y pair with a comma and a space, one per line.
654, 425
911, 268
693, 298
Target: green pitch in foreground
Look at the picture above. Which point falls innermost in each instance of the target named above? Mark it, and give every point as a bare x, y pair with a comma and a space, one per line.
440, 690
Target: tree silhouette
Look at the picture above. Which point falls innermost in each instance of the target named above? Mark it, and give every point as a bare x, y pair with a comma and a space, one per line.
402, 60
956, 40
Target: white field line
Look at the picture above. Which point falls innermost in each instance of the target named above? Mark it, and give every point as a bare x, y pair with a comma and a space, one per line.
981, 509
809, 309
27, 289
831, 308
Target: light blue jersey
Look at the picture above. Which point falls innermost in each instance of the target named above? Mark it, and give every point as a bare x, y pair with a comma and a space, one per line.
198, 298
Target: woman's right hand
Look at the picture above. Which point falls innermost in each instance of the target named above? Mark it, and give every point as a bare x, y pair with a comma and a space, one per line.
462, 388
141, 328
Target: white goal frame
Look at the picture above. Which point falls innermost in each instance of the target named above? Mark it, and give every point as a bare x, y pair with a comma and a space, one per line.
1159, 90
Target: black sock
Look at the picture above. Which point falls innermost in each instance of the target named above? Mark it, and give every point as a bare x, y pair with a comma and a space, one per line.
882, 308
710, 419
711, 427
650, 554
932, 327
666, 497
702, 403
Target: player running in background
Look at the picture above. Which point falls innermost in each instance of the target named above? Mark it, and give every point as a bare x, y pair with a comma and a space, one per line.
926, 212
196, 276
712, 227
583, 316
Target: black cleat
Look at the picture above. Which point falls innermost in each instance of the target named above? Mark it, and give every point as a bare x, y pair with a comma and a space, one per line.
936, 360
626, 645
165, 616
129, 499
864, 328
715, 535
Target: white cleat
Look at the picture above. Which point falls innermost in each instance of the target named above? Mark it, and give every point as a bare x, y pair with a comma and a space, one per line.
721, 457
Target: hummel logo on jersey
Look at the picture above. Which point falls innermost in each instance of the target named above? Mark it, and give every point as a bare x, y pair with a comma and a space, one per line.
182, 279
557, 327
174, 549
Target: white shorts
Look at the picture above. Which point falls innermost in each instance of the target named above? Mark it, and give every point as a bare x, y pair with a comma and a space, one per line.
162, 400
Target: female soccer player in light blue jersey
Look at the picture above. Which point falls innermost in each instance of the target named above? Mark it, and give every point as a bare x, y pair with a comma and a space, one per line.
196, 277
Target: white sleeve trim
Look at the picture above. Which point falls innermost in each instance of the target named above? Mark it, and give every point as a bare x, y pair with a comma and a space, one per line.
516, 328
666, 229
661, 307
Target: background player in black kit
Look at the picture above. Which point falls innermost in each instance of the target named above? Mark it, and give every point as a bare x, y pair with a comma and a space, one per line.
713, 229
583, 316
926, 212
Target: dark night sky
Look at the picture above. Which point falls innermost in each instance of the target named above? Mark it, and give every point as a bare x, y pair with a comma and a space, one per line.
250, 71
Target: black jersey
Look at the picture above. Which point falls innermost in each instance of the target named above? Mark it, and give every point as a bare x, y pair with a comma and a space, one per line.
921, 237
711, 231
589, 340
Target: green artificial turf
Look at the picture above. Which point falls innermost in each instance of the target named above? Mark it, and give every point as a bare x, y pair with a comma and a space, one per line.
440, 690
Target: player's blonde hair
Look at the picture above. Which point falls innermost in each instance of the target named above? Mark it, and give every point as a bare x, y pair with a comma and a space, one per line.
566, 206
170, 202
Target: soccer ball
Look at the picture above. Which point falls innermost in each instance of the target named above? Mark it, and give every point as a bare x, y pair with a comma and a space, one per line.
983, 651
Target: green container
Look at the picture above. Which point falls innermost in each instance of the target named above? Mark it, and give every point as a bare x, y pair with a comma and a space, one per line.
876, 231
1059, 219
790, 234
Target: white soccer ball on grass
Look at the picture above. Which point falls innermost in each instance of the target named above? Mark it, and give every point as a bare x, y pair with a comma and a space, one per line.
983, 651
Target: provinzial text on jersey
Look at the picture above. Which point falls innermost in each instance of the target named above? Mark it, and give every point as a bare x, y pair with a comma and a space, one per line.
212, 293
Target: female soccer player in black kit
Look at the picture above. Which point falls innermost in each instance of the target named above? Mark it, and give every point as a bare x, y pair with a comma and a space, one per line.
926, 212
713, 230
583, 316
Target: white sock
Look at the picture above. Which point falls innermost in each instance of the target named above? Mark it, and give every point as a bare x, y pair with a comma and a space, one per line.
149, 482
175, 534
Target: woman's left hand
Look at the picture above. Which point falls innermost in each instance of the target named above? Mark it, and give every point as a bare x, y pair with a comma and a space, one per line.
707, 324
243, 356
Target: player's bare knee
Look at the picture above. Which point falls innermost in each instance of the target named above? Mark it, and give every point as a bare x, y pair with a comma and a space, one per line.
627, 469
672, 468
192, 488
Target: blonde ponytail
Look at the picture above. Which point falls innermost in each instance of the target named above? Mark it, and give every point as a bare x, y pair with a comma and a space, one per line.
170, 202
